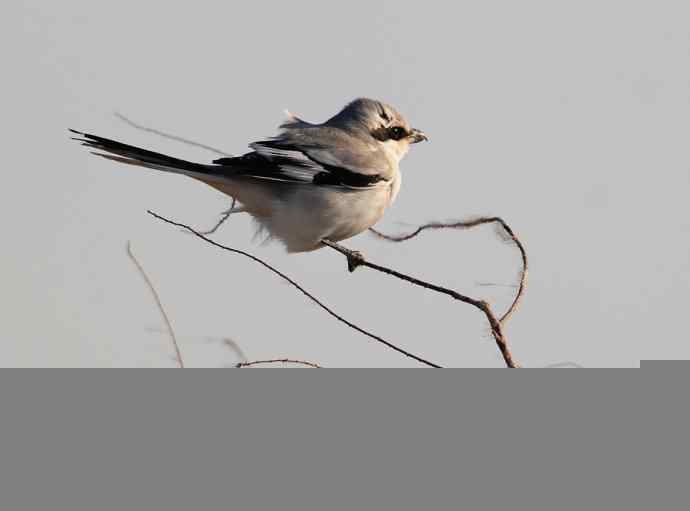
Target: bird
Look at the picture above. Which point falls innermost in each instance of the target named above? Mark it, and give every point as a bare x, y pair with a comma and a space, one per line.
309, 184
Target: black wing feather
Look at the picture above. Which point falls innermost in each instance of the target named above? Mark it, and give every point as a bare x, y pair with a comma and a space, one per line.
287, 162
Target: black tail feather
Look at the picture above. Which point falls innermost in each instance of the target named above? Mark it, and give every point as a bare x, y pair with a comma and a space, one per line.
136, 154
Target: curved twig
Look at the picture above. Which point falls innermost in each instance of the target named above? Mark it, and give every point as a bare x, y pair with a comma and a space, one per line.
169, 136
468, 224
300, 288
278, 361
233, 346
173, 338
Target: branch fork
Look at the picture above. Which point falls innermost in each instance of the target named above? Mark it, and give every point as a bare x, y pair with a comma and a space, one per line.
356, 259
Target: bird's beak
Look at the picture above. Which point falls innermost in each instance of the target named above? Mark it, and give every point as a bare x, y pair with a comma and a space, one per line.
417, 136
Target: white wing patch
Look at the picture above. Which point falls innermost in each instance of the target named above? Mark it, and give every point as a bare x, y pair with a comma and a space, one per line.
292, 162
296, 164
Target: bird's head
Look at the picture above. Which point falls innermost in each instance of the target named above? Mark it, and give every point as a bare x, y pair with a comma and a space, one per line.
380, 121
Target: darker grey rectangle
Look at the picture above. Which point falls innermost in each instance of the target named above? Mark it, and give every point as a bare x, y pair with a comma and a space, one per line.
666, 364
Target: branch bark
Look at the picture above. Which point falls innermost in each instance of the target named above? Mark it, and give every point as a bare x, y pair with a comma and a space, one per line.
356, 259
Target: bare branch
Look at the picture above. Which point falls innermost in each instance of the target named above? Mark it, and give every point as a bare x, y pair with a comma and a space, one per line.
169, 136
298, 287
178, 354
356, 259
468, 224
245, 362
278, 361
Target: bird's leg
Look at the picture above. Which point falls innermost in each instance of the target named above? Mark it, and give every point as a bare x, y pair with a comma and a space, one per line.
354, 257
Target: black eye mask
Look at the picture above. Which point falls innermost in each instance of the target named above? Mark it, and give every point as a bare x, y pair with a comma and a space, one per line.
393, 133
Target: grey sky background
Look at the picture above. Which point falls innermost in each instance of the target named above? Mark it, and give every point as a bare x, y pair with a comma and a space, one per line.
569, 119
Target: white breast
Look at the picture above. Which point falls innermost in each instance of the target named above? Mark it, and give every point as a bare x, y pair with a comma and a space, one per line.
316, 213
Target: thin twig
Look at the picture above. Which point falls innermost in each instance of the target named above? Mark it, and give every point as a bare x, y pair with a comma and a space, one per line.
170, 137
298, 287
151, 287
245, 362
224, 216
468, 224
236, 348
355, 259
278, 361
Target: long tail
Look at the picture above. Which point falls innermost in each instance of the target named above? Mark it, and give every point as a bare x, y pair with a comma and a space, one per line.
131, 155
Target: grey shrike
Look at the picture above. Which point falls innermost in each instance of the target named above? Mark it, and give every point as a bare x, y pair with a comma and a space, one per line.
311, 182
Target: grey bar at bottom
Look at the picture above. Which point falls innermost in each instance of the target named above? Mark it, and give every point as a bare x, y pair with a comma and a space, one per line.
667, 364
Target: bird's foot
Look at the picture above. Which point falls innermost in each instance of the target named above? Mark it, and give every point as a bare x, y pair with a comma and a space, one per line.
354, 257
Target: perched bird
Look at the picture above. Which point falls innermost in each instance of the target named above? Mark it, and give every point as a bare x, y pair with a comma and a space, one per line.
311, 182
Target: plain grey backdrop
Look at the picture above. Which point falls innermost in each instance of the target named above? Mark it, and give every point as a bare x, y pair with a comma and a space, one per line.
568, 119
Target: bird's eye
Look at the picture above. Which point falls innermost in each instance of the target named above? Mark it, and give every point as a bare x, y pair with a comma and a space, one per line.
397, 133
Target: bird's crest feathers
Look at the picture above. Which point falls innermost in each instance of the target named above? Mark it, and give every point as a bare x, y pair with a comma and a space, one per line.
292, 121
